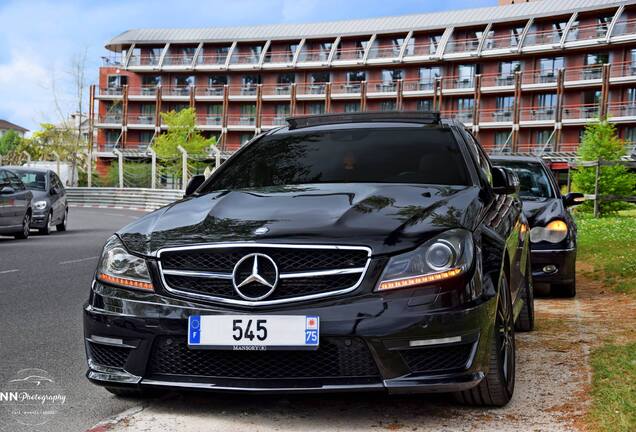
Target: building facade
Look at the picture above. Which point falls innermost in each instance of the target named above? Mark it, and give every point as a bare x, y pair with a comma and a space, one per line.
525, 77
6, 126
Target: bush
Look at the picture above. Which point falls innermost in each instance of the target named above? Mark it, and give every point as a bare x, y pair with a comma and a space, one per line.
601, 142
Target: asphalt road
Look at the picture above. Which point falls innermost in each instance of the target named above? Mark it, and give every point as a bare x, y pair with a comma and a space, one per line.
44, 282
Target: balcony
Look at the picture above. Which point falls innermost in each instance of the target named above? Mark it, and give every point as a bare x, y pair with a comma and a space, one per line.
111, 91
244, 90
313, 90
423, 49
587, 32
242, 121
497, 115
271, 121
134, 146
540, 78
213, 90
531, 148
418, 85
245, 58
209, 120
379, 52
458, 83
575, 113
216, 59
623, 71
107, 146
539, 114
542, 37
313, 55
618, 111
464, 46
184, 60
382, 86
349, 54
279, 57
464, 115
500, 41
497, 80
148, 91
114, 119
178, 90
141, 119
143, 60
350, 88
276, 90
624, 29
585, 73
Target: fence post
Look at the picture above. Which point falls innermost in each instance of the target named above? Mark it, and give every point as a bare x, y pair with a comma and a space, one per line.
217, 156
153, 168
596, 181
89, 168
120, 166
28, 156
184, 167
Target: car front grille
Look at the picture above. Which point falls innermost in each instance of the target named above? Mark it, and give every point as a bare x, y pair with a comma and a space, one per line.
335, 358
107, 355
437, 359
304, 271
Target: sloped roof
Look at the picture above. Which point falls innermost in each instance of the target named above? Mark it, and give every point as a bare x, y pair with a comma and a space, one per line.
4, 124
393, 24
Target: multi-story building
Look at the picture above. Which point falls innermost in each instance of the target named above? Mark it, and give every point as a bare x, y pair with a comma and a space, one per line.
525, 77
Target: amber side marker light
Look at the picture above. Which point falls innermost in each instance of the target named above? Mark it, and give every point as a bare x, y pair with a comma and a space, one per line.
419, 280
557, 225
126, 282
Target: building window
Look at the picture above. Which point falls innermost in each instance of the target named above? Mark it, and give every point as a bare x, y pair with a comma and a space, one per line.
549, 68
428, 75
352, 107
546, 105
424, 105
147, 114
248, 114
115, 82
215, 114
319, 77
282, 110
145, 137
507, 71
389, 80
150, 81
465, 109
631, 97
596, 58
112, 137
387, 105
286, 78
502, 141
220, 54
434, 43
316, 108
466, 75
217, 80
356, 76
543, 138
505, 106
629, 136
183, 85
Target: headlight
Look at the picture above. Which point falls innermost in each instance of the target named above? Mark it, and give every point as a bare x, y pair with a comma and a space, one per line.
40, 205
440, 258
554, 232
117, 266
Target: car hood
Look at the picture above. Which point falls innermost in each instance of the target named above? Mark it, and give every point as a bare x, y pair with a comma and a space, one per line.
39, 195
385, 217
541, 211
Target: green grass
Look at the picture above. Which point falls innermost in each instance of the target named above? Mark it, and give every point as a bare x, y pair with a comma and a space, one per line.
614, 388
609, 245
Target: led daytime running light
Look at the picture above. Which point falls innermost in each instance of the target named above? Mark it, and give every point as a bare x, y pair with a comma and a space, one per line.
419, 280
126, 282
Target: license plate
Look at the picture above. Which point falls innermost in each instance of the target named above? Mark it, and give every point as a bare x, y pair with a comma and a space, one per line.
253, 332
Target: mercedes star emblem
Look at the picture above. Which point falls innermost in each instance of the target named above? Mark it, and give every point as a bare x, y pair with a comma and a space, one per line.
261, 230
255, 276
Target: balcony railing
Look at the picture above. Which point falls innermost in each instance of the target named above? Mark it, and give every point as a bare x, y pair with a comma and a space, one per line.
279, 57
463, 115
304, 89
242, 120
212, 59
346, 88
382, 86
141, 119
584, 111
379, 52
418, 85
625, 26
531, 148
111, 91
537, 113
243, 90
498, 80
543, 37
624, 69
178, 60
587, 31
276, 89
313, 55
349, 54
177, 90
210, 90
209, 119
458, 82
540, 76
143, 60
497, 115
589, 72
274, 120
427, 48
462, 45
107, 146
138, 146
147, 90
621, 109
245, 58
110, 118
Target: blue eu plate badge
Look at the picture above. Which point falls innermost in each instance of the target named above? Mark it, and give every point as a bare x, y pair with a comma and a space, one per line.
311, 330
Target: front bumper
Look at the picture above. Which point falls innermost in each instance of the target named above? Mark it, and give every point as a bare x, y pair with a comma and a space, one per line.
563, 261
39, 218
450, 352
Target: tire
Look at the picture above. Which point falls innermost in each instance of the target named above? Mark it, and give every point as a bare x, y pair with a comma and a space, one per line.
525, 320
46, 230
61, 227
133, 392
26, 227
497, 388
564, 290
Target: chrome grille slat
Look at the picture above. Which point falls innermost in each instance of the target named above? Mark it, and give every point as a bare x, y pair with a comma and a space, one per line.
341, 259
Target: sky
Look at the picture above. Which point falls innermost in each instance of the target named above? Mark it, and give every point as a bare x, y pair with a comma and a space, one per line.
40, 40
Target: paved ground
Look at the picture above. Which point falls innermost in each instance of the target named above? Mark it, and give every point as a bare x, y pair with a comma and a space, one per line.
46, 279
44, 282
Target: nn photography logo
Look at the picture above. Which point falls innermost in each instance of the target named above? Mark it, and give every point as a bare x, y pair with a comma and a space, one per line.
31, 397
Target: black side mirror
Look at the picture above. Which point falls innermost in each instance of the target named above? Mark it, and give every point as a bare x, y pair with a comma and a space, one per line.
504, 181
573, 199
7, 190
194, 183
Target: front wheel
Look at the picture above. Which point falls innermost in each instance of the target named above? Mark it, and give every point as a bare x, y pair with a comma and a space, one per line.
46, 229
26, 227
497, 388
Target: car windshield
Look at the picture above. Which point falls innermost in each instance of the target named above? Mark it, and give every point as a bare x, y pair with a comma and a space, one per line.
533, 180
33, 179
425, 155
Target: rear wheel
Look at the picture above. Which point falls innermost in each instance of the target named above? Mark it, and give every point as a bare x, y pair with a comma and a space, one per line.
525, 321
497, 387
26, 227
62, 225
46, 229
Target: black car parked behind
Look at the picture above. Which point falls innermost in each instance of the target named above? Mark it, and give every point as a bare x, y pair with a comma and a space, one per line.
552, 227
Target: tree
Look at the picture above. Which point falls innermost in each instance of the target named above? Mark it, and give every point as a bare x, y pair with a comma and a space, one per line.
9, 142
601, 142
181, 132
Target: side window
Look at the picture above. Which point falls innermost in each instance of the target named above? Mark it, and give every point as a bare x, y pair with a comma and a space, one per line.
482, 160
57, 182
4, 180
